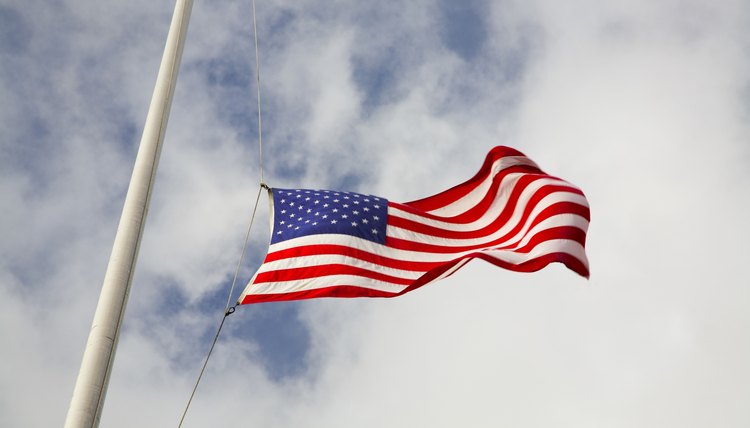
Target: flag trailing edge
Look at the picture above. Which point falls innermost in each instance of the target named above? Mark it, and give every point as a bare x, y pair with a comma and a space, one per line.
343, 244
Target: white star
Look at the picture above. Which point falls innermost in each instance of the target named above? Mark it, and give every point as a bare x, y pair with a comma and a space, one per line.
364, 220
354, 223
335, 210
336, 200
283, 211
325, 205
376, 218
291, 215
365, 209
278, 233
355, 212
315, 223
309, 210
375, 231
346, 205
376, 206
282, 222
344, 216
356, 202
333, 221
325, 216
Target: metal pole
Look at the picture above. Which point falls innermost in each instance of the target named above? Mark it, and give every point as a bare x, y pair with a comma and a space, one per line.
96, 366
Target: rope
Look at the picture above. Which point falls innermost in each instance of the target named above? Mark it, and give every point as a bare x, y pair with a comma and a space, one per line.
205, 363
244, 247
257, 85
227, 309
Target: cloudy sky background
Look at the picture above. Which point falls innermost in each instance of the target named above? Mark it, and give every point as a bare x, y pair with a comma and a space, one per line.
643, 104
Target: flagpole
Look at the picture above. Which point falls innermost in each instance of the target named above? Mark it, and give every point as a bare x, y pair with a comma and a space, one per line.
96, 366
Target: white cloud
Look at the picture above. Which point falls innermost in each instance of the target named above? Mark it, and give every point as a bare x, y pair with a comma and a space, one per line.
642, 104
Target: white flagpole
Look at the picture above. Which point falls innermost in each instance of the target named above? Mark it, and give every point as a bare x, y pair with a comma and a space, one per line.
96, 366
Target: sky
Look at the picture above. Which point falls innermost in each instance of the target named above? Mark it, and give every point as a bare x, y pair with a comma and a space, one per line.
643, 104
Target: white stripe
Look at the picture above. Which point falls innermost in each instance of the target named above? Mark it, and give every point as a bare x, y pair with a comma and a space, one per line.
553, 246
558, 220
328, 239
397, 232
318, 260
566, 246
450, 271
320, 282
476, 195
379, 249
312, 261
361, 244
501, 200
524, 232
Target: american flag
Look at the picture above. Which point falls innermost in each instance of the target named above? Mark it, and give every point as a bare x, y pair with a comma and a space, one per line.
343, 244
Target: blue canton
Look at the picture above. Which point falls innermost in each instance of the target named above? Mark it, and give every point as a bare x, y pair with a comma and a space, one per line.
301, 212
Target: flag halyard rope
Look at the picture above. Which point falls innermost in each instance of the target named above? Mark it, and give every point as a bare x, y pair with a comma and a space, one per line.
257, 85
205, 363
228, 310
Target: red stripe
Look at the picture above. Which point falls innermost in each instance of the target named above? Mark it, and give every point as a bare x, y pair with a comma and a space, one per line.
562, 232
501, 219
456, 192
573, 263
552, 210
341, 291
331, 249
317, 271
480, 208
349, 291
532, 265
557, 208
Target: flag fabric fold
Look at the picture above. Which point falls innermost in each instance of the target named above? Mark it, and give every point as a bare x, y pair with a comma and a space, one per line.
343, 244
